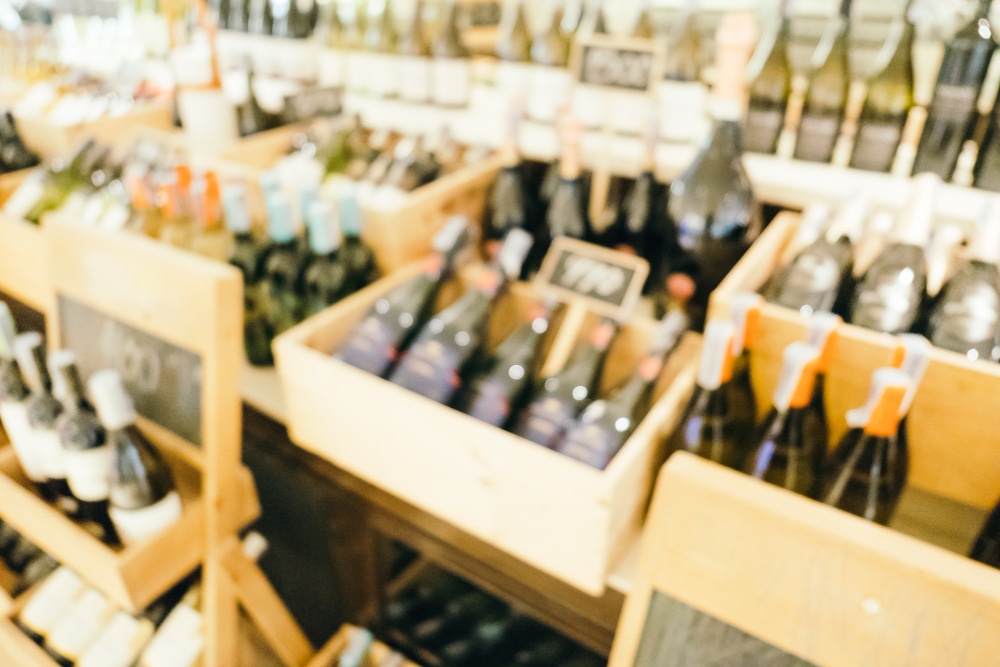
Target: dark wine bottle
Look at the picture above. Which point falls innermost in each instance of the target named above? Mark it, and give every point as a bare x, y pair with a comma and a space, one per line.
638, 232
543, 653
357, 256
282, 268
459, 616
951, 117
890, 295
250, 114
867, 471
489, 642
823, 333
426, 597
605, 425
326, 279
511, 205
772, 84
143, 500
792, 438
86, 451
40, 567
248, 257
987, 546
302, 18
887, 107
567, 212
43, 412
826, 97
14, 397
966, 316
563, 395
14, 154
387, 329
21, 554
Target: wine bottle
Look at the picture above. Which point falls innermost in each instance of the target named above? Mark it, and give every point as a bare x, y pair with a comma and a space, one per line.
381, 42
887, 107
792, 438
823, 333
549, 83
357, 256
951, 117
681, 95
966, 316
49, 604
326, 279
890, 295
451, 73
282, 267
61, 181
303, 16
562, 396
23, 552
643, 27
711, 205
819, 276
772, 84
987, 546
867, 471
358, 648
86, 451
635, 215
549, 47
143, 500
514, 41
386, 330
68, 639
250, 114
43, 412
238, 19
491, 641
425, 597
593, 23
260, 20
567, 212
605, 425
511, 205
457, 618
14, 398
434, 364
248, 257
358, 60
548, 651
14, 154
415, 63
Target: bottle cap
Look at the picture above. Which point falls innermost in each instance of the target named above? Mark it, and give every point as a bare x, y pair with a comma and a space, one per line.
25, 346
823, 333
912, 356
716, 366
914, 225
986, 244
350, 215
880, 414
798, 376
745, 309
254, 545
324, 229
270, 183
8, 333
668, 333
234, 204
59, 364
452, 236
279, 212
114, 406
514, 251
212, 200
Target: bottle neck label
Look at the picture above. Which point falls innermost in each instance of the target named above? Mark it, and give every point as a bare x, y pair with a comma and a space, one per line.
50, 452
877, 144
87, 472
817, 137
15, 423
763, 129
136, 526
450, 81
414, 79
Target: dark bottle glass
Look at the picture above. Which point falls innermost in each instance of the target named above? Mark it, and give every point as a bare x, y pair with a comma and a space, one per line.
86, 451
951, 117
769, 94
282, 267
143, 499
37, 569
386, 330
458, 617
248, 256
8, 539
966, 315
491, 642
793, 436
543, 653
302, 18
826, 97
43, 412
637, 231
251, 115
326, 279
511, 205
21, 554
14, 155
866, 473
563, 395
890, 296
423, 599
605, 425
987, 546
357, 256
514, 41
14, 397
567, 212
884, 114
823, 333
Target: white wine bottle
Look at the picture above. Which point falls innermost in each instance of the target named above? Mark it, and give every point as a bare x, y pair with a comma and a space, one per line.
682, 97
69, 638
451, 73
415, 62
50, 603
14, 395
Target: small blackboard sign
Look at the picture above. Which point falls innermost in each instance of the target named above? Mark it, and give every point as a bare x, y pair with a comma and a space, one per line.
312, 102
620, 63
164, 380
609, 281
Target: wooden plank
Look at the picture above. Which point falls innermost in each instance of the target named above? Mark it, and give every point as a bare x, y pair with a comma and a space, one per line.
50, 140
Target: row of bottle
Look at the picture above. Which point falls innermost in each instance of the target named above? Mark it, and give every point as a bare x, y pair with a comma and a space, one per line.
14, 153
87, 458
460, 626
903, 285
24, 559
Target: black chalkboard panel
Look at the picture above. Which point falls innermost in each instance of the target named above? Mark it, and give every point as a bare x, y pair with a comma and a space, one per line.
629, 67
164, 380
678, 635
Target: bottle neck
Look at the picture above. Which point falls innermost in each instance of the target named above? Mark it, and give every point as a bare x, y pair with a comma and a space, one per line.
984, 9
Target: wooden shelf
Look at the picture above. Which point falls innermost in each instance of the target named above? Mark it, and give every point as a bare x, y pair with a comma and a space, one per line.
23, 256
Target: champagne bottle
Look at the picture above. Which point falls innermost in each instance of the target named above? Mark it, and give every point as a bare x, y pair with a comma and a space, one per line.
514, 40
386, 330
987, 547
68, 639
326, 279
890, 295
356, 255
451, 73
43, 412
792, 438
635, 217
14, 154
86, 451
549, 47
282, 267
986, 172
250, 114
605, 425
303, 16
434, 364
457, 618
143, 500
248, 257
966, 316
511, 204
711, 204
772, 84
415, 63
491, 641
951, 117
50, 603
826, 97
867, 471
567, 212
238, 19
823, 333
14, 398
381, 42
58, 184
887, 107
358, 60
549, 85
562, 396
681, 94
260, 20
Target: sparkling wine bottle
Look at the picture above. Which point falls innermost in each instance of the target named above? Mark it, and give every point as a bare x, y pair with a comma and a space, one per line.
248, 257
326, 279
769, 91
415, 65
282, 267
358, 257
14, 154
14, 397
514, 41
567, 212
450, 74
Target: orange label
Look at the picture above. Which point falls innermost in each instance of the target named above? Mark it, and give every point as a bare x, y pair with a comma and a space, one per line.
829, 349
183, 177
750, 326
212, 204
727, 362
804, 389
140, 195
898, 356
166, 200
884, 421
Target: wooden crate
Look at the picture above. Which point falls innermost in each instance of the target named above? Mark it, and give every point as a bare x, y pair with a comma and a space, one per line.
23, 257
17, 647
560, 516
329, 654
954, 451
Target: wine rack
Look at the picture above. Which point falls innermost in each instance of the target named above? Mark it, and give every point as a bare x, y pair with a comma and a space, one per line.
23, 258
328, 655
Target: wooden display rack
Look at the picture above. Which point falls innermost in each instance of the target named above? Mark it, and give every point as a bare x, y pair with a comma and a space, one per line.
328, 655
23, 258
190, 304
779, 574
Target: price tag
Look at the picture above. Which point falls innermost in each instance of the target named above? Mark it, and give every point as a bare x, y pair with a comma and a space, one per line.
609, 281
312, 103
624, 64
164, 380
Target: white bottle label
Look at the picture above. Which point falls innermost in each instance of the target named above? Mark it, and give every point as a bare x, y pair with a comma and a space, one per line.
683, 110
178, 642
384, 80
52, 602
50, 452
87, 472
332, 67
513, 79
591, 106
629, 112
119, 643
451, 81
549, 88
358, 67
85, 620
15, 422
25, 197
135, 526
415, 79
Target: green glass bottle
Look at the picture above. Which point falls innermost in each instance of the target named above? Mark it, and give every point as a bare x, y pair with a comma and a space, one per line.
248, 256
769, 94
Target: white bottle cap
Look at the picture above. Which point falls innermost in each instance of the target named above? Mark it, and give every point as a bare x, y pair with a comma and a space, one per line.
114, 406
57, 361
916, 351
324, 228
745, 308
798, 358
716, 354
254, 545
8, 332
914, 225
514, 251
24, 350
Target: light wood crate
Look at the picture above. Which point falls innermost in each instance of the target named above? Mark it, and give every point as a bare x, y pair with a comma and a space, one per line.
554, 513
16, 648
954, 447
23, 256
328, 655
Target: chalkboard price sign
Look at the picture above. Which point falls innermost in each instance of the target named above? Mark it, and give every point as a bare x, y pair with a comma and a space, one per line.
609, 62
312, 103
163, 380
609, 281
